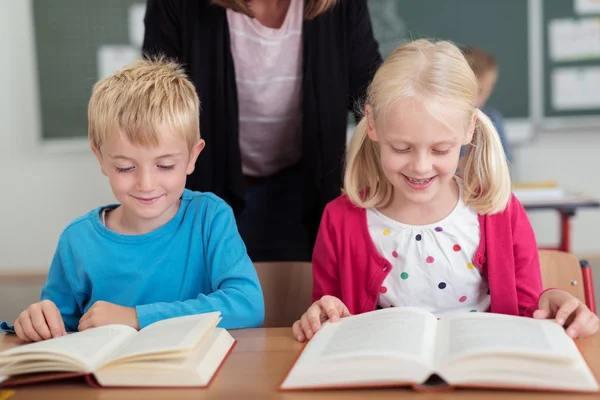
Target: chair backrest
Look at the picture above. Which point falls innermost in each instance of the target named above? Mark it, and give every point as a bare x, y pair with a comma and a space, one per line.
287, 289
562, 270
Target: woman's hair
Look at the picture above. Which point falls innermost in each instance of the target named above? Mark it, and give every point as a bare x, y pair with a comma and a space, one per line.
142, 100
313, 8
437, 73
480, 60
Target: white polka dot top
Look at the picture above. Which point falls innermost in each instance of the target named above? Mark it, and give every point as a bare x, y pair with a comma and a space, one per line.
432, 265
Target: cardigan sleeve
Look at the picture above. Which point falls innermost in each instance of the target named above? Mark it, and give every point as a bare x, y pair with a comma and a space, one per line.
364, 53
325, 261
527, 263
162, 35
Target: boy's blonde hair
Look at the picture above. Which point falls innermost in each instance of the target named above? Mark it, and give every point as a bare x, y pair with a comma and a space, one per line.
313, 8
436, 72
141, 100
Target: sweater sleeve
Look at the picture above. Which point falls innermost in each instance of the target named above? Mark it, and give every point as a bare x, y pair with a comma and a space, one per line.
364, 53
325, 261
162, 34
59, 290
527, 263
236, 290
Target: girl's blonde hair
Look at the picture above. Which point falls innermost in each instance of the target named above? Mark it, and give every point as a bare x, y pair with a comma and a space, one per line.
313, 8
141, 100
435, 72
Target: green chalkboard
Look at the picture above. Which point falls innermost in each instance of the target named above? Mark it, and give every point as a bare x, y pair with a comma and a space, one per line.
552, 11
68, 35
498, 26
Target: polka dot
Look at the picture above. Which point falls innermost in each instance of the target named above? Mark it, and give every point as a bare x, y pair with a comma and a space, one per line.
463, 299
404, 275
473, 311
383, 289
386, 232
456, 247
429, 259
442, 285
438, 229
395, 254
418, 237
470, 265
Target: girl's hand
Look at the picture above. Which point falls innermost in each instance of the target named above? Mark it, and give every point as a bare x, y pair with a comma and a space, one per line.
40, 321
327, 308
568, 311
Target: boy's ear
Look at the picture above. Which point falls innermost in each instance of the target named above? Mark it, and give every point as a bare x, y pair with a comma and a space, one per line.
196, 150
371, 132
99, 158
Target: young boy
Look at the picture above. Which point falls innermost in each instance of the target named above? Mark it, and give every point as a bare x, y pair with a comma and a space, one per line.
164, 251
485, 68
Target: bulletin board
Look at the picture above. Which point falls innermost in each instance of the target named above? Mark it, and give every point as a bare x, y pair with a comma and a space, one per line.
571, 61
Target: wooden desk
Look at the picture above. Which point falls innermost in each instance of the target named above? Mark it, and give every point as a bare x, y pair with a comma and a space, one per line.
566, 208
257, 366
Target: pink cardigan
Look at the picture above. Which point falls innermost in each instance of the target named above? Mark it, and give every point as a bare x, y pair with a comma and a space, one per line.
347, 265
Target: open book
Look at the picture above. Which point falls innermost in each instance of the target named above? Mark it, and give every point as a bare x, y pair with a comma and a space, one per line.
183, 351
411, 347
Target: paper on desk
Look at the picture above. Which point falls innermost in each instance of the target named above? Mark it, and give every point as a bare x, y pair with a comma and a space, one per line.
6, 394
587, 6
112, 58
576, 88
574, 39
540, 194
136, 23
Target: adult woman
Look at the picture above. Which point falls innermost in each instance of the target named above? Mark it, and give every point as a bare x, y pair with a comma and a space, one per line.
276, 79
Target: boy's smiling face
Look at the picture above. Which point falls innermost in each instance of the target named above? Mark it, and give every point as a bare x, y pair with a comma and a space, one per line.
148, 181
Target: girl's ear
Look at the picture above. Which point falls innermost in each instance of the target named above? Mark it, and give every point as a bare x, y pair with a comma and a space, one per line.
371, 132
471, 130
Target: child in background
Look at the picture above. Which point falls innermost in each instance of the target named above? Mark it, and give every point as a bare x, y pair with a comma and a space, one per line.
408, 231
164, 251
486, 70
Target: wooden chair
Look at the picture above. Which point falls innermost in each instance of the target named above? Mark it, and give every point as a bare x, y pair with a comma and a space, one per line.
565, 271
287, 289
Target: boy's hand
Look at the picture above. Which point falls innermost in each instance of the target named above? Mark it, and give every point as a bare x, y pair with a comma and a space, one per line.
568, 311
40, 321
327, 308
105, 313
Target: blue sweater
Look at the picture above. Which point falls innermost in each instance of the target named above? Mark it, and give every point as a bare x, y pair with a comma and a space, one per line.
195, 263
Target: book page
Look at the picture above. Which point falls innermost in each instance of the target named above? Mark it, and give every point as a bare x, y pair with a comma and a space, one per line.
194, 369
405, 332
390, 346
486, 333
171, 335
84, 349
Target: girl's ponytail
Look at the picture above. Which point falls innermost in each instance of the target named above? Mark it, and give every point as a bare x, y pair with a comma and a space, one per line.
364, 182
486, 177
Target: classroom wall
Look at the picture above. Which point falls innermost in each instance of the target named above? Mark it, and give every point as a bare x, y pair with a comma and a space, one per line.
571, 158
42, 190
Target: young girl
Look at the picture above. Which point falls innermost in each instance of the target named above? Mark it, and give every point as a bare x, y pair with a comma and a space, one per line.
408, 231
